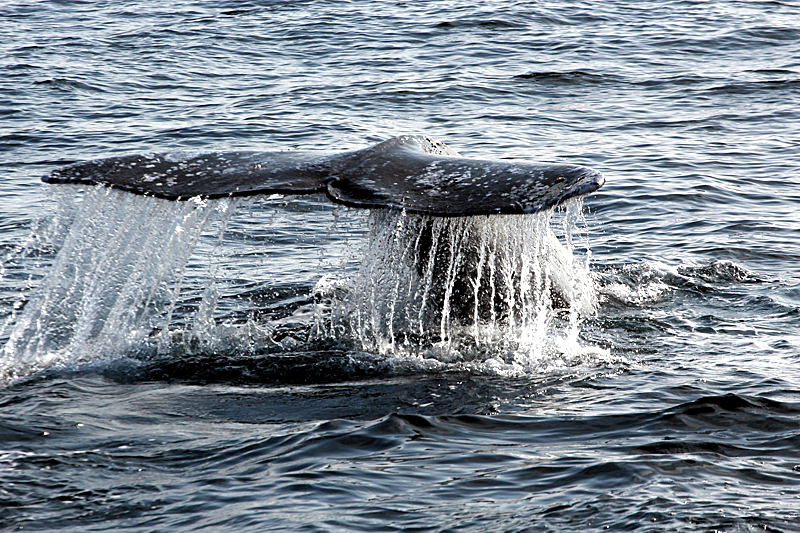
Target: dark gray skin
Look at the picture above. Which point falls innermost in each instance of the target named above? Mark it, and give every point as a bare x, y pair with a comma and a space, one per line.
411, 173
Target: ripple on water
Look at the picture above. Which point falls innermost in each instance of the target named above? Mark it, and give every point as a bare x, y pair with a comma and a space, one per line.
685, 420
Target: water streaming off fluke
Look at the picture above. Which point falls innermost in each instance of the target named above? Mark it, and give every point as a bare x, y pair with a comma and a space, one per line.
128, 281
114, 282
464, 287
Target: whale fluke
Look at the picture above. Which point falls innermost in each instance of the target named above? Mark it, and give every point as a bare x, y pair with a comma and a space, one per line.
411, 173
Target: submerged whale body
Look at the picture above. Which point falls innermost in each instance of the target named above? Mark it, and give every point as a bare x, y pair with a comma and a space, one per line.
412, 173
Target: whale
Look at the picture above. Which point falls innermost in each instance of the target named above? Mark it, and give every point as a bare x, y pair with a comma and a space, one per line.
413, 173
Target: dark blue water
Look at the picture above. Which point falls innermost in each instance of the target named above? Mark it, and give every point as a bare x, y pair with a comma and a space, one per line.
674, 405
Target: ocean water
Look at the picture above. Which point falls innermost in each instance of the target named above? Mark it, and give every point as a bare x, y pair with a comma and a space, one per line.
274, 364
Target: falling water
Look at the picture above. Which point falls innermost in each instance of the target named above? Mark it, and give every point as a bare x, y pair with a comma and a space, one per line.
452, 289
461, 288
114, 281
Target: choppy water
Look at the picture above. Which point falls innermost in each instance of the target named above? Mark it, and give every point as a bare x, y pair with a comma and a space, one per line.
674, 405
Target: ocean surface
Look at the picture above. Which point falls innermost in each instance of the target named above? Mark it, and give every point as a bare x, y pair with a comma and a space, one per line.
242, 365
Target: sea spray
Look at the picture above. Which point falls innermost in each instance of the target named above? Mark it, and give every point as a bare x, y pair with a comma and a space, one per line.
464, 288
112, 283
143, 277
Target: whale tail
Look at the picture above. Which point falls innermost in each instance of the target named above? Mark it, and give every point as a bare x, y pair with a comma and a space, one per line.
412, 173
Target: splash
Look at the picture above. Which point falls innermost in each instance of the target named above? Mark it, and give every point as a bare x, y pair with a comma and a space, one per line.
114, 281
497, 287
139, 277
